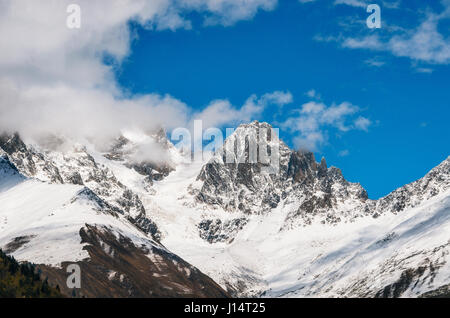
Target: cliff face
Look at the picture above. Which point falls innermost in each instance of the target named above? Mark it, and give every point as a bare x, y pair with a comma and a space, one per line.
313, 190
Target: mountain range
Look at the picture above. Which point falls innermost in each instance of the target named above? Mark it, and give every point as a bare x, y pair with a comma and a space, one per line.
173, 227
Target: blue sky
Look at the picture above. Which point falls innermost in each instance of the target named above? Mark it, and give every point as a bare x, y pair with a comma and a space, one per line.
374, 102
319, 46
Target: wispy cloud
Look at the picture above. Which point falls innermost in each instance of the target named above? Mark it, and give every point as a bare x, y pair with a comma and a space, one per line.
362, 123
314, 120
353, 3
425, 43
375, 62
425, 70
389, 4
344, 153
313, 94
222, 112
368, 42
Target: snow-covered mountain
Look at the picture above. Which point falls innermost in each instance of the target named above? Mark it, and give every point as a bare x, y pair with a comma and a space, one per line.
301, 232
67, 207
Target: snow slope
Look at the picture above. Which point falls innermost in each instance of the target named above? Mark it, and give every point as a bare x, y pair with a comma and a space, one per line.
357, 257
49, 217
319, 236
349, 259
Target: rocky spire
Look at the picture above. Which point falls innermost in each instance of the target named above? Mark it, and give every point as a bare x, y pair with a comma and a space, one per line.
322, 171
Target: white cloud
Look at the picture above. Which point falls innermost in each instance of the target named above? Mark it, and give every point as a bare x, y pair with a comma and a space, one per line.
221, 112
426, 70
353, 3
336, 114
228, 12
375, 62
312, 108
53, 80
38, 111
313, 94
277, 98
362, 123
369, 42
389, 4
343, 153
424, 43
310, 141
313, 121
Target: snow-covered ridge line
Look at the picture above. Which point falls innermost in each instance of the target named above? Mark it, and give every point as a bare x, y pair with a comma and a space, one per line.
303, 232
305, 196
53, 220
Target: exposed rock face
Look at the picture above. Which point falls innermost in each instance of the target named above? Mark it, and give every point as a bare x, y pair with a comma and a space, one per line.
245, 187
215, 231
98, 203
28, 160
324, 193
433, 183
125, 150
441, 292
308, 189
230, 199
146, 225
80, 168
118, 265
118, 268
407, 278
153, 171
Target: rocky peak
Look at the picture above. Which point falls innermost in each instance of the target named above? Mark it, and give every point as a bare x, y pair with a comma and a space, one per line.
435, 182
302, 166
243, 184
12, 143
28, 160
161, 138
78, 166
129, 152
307, 189
323, 168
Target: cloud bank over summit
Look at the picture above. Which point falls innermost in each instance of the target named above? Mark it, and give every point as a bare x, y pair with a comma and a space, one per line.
54, 80
60, 81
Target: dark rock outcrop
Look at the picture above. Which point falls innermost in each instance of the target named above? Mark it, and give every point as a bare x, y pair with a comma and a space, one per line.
118, 268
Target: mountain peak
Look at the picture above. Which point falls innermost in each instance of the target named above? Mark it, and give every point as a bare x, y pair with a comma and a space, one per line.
12, 143
255, 124
435, 182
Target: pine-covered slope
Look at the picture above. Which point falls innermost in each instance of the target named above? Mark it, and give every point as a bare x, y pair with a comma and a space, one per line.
23, 280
